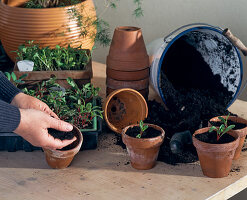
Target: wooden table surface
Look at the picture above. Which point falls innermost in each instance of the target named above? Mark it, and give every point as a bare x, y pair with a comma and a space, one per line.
105, 173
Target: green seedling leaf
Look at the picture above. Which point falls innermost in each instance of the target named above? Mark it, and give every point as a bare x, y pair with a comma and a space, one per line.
212, 129
228, 129
13, 76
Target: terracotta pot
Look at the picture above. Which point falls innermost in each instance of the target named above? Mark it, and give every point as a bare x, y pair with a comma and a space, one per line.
241, 132
215, 159
46, 26
60, 159
127, 50
143, 152
144, 92
127, 75
15, 2
125, 65
124, 107
136, 85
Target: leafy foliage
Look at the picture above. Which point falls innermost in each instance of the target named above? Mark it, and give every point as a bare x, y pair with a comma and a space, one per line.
69, 104
143, 128
47, 59
86, 24
224, 128
12, 77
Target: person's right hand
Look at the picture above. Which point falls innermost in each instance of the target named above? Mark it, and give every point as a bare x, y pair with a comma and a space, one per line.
34, 126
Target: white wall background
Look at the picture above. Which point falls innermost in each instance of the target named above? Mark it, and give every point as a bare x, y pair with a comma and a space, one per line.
163, 16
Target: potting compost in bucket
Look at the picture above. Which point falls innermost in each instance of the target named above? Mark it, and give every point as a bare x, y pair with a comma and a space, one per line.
198, 73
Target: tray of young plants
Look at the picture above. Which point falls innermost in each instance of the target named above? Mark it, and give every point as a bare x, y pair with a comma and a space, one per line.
59, 62
80, 107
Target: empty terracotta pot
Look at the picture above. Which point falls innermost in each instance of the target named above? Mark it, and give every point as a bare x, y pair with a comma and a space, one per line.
60, 159
127, 75
241, 132
46, 26
127, 51
124, 107
143, 152
143, 92
215, 159
136, 85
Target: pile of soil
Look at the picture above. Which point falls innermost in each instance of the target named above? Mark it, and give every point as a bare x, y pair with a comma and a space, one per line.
193, 95
150, 132
230, 122
60, 134
212, 138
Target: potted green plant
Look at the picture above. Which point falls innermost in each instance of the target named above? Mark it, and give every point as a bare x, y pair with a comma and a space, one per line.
143, 143
216, 147
54, 22
60, 62
240, 126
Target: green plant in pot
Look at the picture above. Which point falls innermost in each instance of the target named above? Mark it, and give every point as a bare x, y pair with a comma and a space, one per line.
143, 143
60, 62
216, 147
71, 107
72, 22
240, 126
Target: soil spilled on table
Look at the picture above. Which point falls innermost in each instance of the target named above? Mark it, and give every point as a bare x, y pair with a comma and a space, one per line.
193, 95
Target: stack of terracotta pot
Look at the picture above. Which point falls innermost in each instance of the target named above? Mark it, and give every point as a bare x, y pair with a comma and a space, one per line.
128, 62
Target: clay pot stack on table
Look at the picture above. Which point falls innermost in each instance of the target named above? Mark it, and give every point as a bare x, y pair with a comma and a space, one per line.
127, 62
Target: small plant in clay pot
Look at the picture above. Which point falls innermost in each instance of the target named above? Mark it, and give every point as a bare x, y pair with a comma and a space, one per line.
216, 147
143, 143
240, 126
70, 106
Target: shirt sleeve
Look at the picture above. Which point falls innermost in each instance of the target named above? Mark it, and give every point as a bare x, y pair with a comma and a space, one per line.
7, 89
9, 117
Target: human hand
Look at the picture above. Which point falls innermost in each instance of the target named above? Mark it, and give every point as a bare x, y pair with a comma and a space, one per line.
25, 101
34, 126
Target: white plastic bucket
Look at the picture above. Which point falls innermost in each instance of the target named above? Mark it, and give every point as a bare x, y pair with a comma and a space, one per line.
206, 46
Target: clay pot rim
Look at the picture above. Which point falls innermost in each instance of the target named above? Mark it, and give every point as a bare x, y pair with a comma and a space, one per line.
162, 134
241, 131
74, 150
207, 147
128, 28
110, 96
39, 9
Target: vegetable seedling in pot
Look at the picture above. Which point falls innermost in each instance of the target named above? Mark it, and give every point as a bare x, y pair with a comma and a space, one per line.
142, 129
224, 128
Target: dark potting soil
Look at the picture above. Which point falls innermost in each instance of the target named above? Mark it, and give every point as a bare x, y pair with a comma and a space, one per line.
150, 132
193, 95
60, 134
212, 138
230, 122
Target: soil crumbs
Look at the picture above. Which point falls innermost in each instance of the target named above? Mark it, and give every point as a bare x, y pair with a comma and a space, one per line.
60, 134
148, 133
212, 138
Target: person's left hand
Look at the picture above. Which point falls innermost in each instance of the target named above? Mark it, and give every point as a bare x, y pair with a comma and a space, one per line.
25, 101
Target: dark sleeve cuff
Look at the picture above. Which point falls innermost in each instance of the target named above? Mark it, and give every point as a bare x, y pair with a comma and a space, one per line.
9, 117
7, 90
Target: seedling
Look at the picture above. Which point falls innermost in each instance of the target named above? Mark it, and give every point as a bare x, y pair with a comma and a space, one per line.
224, 128
143, 128
12, 77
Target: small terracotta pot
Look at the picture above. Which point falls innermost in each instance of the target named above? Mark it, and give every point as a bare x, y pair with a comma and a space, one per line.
60, 159
241, 132
127, 65
144, 92
143, 152
215, 159
127, 75
124, 107
127, 44
136, 85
